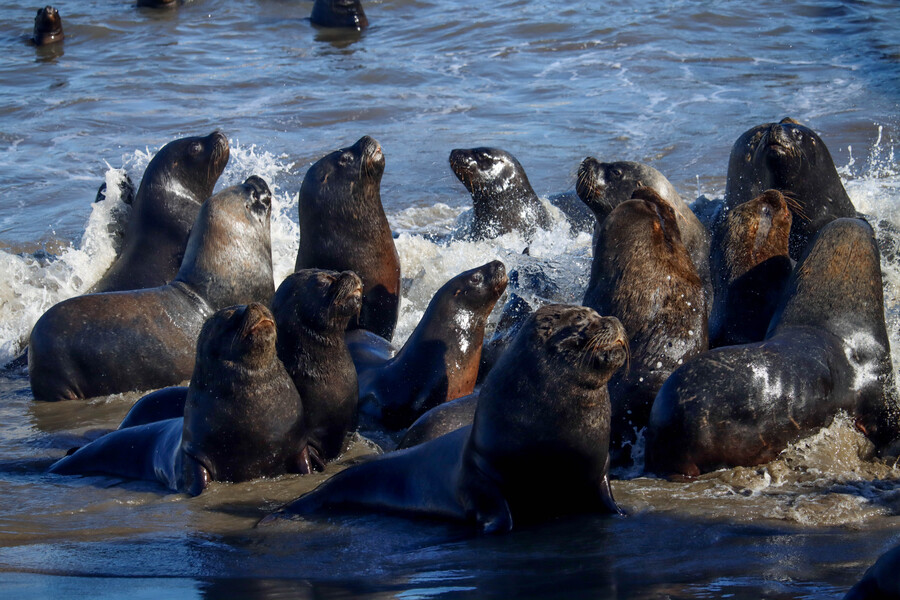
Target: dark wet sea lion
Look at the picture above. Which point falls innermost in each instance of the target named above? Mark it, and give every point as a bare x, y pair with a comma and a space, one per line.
750, 265
343, 228
826, 351
243, 417
791, 158
339, 13
48, 27
439, 361
159, 3
177, 181
167, 403
312, 309
642, 274
880, 581
543, 409
513, 314
115, 342
502, 197
441, 420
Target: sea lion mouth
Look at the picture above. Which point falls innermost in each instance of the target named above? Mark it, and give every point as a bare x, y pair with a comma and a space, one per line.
347, 294
609, 345
591, 187
371, 154
257, 320
499, 277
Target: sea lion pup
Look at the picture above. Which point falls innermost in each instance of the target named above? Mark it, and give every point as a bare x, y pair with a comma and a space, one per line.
343, 228
439, 361
339, 13
603, 186
243, 417
543, 409
791, 158
48, 27
116, 342
312, 309
880, 581
177, 181
826, 351
502, 197
750, 265
642, 274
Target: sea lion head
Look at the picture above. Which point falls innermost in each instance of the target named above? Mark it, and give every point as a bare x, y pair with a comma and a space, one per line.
47, 26
477, 290
349, 173
339, 13
189, 166
319, 301
756, 231
241, 335
603, 186
228, 258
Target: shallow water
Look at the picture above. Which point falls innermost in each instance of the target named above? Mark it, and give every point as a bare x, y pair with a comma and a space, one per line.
668, 83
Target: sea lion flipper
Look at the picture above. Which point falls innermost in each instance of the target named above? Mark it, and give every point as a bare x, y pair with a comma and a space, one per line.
196, 476
605, 492
481, 497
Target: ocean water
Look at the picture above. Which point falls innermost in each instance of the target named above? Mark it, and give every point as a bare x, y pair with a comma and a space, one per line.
669, 83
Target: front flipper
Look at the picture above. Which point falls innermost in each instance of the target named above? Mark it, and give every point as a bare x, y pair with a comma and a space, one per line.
196, 476
605, 492
480, 495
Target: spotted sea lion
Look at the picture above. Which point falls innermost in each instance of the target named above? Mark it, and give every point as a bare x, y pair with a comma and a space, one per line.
177, 181
826, 351
243, 418
114, 342
439, 361
48, 27
339, 13
643, 275
502, 197
343, 228
312, 309
543, 409
791, 158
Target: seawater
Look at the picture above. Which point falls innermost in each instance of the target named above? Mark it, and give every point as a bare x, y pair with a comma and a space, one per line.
670, 83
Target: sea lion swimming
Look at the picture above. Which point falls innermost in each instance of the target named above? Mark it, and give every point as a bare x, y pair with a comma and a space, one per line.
115, 342
543, 409
48, 27
339, 13
791, 158
177, 181
243, 418
826, 351
343, 228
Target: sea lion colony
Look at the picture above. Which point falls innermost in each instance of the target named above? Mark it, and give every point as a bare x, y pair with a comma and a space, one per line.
797, 315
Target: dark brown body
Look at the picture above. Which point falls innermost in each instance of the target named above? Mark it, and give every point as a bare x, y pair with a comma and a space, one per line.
343, 228
48, 27
347, 14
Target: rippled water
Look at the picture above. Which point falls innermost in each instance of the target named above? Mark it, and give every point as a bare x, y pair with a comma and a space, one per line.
669, 83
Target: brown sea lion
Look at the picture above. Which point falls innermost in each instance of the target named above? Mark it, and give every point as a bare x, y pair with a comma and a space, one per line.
789, 157
543, 409
312, 309
826, 351
750, 265
243, 417
343, 228
177, 181
642, 274
439, 361
347, 14
502, 197
48, 27
116, 342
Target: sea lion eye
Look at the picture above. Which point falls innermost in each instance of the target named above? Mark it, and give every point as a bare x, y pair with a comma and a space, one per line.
345, 159
196, 148
476, 278
615, 174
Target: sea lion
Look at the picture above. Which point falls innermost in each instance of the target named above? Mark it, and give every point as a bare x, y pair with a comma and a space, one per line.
603, 186
880, 581
48, 27
502, 197
159, 3
543, 409
826, 351
177, 181
339, 13
312, 309
750, 264
791, 158
115, 342
243, 417
343, 228
441, 420
439, 361
642, 274
512, 315
160, 405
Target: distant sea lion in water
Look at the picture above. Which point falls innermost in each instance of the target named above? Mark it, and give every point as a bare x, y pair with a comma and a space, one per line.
312, 309
439, 361
339, 13
109, 343
159, 3
643, 275
243, 417
750, 264
826, 351
789, 157
502, 197
343, 228
48, 27
177, 181
880, 581
603, 186
543, 409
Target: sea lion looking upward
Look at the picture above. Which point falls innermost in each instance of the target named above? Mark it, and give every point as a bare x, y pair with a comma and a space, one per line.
47, 27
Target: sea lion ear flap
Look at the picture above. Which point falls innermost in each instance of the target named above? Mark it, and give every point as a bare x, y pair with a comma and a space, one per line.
789, 120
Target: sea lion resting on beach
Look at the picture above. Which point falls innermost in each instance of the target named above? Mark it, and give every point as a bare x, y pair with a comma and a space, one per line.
544, 408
